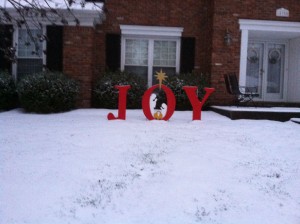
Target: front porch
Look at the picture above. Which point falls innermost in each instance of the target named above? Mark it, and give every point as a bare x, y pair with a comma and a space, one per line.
269, 59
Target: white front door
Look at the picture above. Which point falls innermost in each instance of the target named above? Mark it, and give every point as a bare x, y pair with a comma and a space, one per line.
266, 69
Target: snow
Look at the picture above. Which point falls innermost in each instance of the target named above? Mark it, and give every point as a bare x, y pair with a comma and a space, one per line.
260, 109
297, 120
78, 167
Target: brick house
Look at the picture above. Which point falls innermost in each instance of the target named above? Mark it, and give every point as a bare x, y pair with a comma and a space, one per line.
259, 40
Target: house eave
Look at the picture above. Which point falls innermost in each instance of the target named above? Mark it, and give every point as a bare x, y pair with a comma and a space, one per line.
151, 30
86, 17
266, 25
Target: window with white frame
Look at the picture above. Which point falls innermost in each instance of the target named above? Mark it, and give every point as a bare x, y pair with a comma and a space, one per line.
136, 56
29, 52
146, 50
165, 56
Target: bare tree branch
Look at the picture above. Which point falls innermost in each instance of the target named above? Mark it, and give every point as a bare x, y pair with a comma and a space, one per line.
34, 14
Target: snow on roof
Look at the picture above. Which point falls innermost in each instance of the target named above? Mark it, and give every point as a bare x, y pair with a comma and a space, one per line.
57, 4
88, 13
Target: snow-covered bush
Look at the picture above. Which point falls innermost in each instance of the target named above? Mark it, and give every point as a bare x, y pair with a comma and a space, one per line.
47, 92
176, 82
8, 94
106, 96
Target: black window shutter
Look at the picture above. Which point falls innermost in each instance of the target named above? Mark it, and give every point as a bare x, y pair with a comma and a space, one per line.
6, 37
54, 51
187, 57
113, 51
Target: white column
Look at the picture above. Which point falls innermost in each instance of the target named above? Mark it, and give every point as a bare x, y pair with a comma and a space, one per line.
243, 58
123, 41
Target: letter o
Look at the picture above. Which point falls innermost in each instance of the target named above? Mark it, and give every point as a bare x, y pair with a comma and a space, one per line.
170, 98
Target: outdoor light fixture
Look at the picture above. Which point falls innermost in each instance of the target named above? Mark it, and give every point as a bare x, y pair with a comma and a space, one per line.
227, 38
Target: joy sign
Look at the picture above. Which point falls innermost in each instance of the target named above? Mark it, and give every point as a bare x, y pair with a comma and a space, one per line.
191, 92
163, 111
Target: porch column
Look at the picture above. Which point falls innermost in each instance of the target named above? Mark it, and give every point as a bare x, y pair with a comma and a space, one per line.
243, 58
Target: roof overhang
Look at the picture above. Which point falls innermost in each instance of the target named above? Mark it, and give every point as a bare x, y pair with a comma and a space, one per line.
151, 31
270, 30
87, 13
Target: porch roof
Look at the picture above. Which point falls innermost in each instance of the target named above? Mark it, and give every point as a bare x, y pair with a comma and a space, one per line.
88, 13
265, 29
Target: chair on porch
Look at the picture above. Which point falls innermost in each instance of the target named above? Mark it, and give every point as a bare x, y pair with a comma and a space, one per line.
242, 94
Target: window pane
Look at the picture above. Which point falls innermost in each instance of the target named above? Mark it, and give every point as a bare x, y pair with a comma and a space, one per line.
172, 44
138, 70
164, 53
172, 63
156, 62
28, 48
275, 69
140, 53
29, 66
136, 52
255, 57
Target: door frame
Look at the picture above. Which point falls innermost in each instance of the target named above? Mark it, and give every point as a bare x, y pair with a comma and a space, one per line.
264, 66
275, 27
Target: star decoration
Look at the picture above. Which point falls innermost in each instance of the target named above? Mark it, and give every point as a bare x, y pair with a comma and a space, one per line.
161, 76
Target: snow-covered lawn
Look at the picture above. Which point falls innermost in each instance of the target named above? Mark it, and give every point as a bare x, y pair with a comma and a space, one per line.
78, 167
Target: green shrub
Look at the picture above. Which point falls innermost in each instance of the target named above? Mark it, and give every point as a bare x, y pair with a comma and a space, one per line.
176, 82
8, 94
47, 92
106, 96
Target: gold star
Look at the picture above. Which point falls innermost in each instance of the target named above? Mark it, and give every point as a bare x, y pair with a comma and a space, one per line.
161, 76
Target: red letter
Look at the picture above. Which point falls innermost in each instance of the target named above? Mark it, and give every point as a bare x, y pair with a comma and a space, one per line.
191, 92
122, 103
170, 99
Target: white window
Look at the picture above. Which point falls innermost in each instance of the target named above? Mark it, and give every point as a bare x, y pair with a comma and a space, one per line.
147, 50
164, 53
30, 47
136, 56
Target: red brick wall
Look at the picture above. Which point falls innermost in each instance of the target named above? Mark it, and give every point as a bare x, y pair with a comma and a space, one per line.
192, 15
206, 20
226, 14
99, 51
78, 59
84, 48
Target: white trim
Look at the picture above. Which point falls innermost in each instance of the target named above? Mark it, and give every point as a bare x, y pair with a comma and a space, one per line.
286, 70
264, 25
123, 41
158, 31
178, 45
150, 61
243, 59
